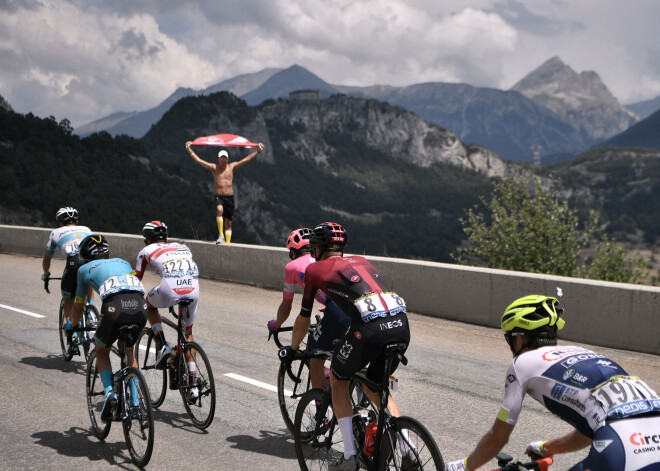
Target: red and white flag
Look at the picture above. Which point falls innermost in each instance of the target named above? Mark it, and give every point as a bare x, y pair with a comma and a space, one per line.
224, 140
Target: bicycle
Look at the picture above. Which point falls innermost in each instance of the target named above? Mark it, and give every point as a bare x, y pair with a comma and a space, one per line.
198, 390
293, 379
133, 406
85, 330
399, 443
504, 463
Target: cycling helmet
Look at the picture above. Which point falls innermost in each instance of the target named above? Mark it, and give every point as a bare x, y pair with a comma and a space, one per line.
298, 239
154, 230
93, 247
328, 235
533, 313
67, 215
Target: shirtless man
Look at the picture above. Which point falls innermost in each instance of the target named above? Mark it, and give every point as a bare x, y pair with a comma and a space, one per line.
223, 175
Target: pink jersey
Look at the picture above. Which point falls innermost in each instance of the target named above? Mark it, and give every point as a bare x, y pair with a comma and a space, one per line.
294, 274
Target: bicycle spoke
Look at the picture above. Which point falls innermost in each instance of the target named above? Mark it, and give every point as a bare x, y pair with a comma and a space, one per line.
145, 353
317, 438
289, 391
95, 398
408, 446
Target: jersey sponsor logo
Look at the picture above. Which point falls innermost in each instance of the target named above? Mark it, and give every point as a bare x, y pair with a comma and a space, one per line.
344, 352
355, 278
358, 335
391, 325
317, 332
572, 374
337, 292
638, 439
600, 445
579, 358
606, 363
511, 378
186, 290
566, 394
129, 304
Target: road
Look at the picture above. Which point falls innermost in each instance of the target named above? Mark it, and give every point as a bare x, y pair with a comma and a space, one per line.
453, 384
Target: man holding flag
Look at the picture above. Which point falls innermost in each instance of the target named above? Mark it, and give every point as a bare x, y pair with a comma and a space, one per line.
223, 175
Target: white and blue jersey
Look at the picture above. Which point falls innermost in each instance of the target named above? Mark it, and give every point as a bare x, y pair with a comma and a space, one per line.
107, 277
66, 239
595, 395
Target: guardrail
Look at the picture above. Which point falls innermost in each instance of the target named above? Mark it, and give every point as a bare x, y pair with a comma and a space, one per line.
615, 315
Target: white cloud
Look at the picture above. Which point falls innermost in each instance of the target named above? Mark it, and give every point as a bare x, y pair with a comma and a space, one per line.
83, 59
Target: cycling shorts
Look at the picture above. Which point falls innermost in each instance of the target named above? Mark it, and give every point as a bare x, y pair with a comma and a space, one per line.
631, 444
364, 344
70, 275
227, 203
120, 309
165, 295
333, 326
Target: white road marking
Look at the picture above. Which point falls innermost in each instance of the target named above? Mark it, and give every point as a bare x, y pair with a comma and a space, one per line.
27, 313
254, 382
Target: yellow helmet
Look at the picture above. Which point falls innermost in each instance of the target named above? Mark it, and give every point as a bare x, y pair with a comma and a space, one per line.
532, 312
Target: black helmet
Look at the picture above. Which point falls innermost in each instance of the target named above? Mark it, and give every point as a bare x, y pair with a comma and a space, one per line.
67, 215
93, 247
155, 230
328, 236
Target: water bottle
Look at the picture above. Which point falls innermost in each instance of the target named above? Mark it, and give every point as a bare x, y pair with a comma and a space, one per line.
370, 439
174, 381
326, 370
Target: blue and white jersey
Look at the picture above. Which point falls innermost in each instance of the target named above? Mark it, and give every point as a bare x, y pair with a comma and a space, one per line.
107, 277
581, 387
66, 239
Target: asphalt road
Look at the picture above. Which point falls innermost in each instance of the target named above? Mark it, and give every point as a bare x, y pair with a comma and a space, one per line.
453, 384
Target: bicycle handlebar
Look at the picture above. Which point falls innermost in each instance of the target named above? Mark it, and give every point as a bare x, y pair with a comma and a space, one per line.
505, 464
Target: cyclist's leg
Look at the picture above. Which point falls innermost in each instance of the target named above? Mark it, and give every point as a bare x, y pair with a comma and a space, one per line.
192, 308
158, 297
346, 360
68, 284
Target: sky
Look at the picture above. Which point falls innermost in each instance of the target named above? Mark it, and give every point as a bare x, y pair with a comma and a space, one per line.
85, 59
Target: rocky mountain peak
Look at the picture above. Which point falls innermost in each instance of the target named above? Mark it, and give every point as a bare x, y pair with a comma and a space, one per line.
581, 99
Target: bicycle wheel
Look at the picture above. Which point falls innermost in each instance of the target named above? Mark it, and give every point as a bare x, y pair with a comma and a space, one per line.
408, 446
317, 437
95, 398
146, 351
63, 344
200, 406
290, 389
138, 423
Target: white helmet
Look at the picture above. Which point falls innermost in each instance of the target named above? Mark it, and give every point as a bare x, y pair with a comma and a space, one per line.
67, 215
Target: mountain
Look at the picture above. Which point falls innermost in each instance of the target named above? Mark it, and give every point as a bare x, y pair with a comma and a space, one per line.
645, 108
289, 80
112, 182
137, 123
580, 99
622, 184
506, 122
646, 133
4, 105
387, 174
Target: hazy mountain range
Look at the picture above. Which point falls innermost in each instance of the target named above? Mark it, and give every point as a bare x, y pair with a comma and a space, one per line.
550, 115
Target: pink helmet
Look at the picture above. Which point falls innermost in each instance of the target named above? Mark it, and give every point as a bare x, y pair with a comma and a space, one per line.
298, 238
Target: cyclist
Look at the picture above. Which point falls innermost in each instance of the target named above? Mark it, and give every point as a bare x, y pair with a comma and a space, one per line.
615, 414
173, 262
66, 238
378, 317
334, 322
123, 304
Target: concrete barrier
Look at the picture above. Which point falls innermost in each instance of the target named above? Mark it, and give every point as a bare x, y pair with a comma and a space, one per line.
615, 315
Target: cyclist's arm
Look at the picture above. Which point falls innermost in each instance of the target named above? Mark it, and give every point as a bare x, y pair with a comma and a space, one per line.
246, 159
572, 441
490, 444
300, 328
45, 264
203, 163
283, 311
